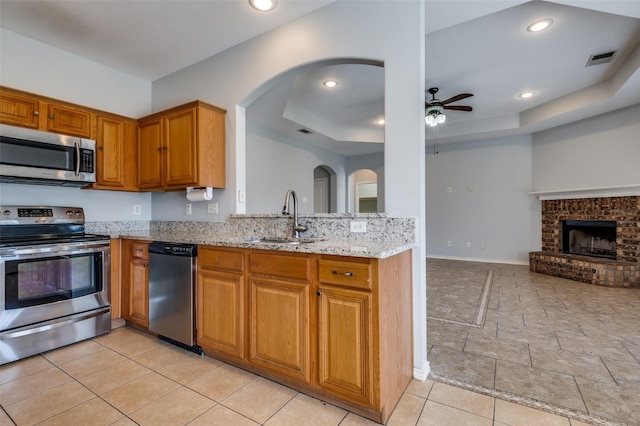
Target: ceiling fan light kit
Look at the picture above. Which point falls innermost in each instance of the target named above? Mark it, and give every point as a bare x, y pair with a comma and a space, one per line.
434, 116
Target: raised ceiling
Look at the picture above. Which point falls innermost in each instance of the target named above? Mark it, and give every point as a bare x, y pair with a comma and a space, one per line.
480, 47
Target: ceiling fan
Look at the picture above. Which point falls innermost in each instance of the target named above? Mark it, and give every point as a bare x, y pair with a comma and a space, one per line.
434, 108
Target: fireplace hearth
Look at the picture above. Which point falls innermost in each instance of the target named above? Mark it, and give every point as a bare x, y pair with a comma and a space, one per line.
595, 238
592, 240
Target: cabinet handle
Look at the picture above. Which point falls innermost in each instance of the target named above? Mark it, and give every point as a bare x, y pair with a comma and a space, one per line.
159, 149
346, 274
100, 148
318, 293
164, 148
36, 112
51, 116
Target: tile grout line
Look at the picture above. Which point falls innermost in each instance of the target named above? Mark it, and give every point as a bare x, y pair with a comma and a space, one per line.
529, 402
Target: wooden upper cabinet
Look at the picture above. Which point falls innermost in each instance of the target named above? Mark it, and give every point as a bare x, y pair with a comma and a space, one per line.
68, 121
187, 148
38, 112
116, 154
19, 110
150, 154
181, 148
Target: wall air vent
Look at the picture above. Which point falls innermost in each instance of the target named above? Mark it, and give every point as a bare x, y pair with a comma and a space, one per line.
305, 131
601, 58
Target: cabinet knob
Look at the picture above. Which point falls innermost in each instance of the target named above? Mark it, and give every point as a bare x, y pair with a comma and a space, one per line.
318, 293
51, 116
159, 149
100, 148
36, 113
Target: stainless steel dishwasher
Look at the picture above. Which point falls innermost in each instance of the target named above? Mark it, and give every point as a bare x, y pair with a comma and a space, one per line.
172, 293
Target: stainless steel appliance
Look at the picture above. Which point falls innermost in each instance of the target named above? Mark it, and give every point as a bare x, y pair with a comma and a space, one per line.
55, 280
33, 157
172, 293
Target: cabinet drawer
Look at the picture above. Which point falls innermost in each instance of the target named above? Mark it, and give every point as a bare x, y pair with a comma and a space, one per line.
279, 265
220, 259
347, 273
140, 249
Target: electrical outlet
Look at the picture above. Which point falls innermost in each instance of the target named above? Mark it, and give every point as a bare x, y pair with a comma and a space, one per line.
242, 197
449, 243
468, 243
187, 209
358, 226
212, 208
137, 209
449, 190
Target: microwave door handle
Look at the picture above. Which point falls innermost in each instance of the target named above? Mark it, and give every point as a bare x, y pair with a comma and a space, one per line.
77, 146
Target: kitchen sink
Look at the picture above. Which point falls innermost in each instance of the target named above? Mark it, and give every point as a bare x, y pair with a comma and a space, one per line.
282, 240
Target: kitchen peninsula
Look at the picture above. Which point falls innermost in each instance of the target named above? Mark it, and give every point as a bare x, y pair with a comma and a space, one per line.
330, 316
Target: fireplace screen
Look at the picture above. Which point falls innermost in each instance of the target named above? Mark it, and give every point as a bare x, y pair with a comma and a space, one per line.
589, 238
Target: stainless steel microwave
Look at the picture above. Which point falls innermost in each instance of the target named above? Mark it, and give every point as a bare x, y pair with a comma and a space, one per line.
34, 157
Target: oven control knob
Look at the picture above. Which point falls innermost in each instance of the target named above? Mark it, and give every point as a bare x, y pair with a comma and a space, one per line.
69, 213
78, 213
6, 212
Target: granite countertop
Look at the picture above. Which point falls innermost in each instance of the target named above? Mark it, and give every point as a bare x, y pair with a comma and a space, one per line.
333, 246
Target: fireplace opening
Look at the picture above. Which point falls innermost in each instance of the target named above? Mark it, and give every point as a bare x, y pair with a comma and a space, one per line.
595, 238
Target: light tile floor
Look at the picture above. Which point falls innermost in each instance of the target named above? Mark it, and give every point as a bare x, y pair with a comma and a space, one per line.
128, 377
569, 347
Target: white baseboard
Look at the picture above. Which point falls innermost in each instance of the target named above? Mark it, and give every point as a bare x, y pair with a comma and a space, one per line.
471, 259
422, 373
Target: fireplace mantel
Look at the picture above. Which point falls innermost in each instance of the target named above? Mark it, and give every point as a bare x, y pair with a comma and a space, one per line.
595, 192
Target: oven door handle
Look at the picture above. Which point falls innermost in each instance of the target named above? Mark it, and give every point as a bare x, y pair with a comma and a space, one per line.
50, 325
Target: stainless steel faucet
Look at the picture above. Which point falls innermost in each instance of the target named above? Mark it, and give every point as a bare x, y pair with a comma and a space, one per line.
297, 228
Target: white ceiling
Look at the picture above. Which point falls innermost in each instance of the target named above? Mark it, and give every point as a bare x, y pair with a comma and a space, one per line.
474, 46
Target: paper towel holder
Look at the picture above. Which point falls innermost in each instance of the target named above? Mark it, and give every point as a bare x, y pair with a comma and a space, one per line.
206, 191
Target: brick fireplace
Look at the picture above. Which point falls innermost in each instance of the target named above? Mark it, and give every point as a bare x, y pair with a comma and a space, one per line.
621, 271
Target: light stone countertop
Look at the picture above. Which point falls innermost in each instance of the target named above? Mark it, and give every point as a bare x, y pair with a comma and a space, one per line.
332, 246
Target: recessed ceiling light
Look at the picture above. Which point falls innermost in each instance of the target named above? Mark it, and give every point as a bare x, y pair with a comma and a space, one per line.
380, 121
263, 5
540, 25
525, 95
330, 83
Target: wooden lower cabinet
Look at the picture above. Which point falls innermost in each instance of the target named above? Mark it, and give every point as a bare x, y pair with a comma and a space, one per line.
220, 306
337, 328
344, 335
135, 282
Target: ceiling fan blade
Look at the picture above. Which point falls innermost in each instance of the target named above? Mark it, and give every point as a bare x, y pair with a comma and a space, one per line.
458, 107
457, 98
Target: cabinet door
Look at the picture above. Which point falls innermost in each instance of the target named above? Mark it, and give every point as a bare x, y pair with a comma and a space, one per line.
139, 291
68, 121
116, 154
19, 110
180, 142
344, 336
279, 327
150, 154
220, 312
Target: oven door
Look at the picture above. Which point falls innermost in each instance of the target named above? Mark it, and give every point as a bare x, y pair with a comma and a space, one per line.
49, 281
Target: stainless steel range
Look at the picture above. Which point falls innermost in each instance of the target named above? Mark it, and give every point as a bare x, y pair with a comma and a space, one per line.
55, 280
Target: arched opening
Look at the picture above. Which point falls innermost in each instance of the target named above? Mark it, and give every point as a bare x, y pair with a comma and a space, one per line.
363, 185
294, 124
324, 190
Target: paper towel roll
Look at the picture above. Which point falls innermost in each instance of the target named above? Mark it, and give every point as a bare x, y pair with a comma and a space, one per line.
199, 194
